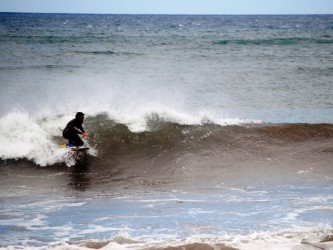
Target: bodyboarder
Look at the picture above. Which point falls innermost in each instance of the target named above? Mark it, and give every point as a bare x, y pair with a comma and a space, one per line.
74, 129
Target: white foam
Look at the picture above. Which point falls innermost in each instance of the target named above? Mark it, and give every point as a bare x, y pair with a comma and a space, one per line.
138, 118
295, 238
23, 137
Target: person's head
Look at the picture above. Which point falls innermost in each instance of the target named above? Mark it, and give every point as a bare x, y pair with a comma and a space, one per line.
79, 116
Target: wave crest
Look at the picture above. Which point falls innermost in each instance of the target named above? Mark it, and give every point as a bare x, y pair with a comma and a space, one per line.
37, 140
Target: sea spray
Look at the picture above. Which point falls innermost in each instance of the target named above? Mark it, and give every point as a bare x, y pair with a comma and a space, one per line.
23, 137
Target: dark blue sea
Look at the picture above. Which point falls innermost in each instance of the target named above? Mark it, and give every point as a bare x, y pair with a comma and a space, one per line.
205, 132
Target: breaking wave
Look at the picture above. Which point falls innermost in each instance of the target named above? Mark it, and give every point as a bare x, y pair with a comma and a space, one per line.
37, 140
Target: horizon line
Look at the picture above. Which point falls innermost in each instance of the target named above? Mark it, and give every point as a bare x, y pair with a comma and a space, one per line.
170, 14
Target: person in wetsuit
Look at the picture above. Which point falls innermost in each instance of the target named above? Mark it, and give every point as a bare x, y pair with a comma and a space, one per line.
74, 129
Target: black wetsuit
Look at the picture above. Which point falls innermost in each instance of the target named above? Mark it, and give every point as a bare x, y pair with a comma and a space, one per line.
73, 128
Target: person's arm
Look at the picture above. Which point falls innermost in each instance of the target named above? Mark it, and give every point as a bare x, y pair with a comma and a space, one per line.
81, 131
78, 130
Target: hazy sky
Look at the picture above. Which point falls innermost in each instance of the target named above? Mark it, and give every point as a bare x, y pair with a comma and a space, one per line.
170, 6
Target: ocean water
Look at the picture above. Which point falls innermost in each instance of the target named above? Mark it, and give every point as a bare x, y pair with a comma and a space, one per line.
205, 132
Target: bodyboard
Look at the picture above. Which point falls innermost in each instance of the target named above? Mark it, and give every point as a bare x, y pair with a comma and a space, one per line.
73, 148
79, 149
